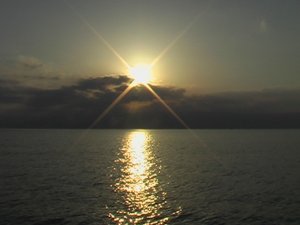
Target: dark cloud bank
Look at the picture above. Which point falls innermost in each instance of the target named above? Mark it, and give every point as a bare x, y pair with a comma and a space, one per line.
78, 105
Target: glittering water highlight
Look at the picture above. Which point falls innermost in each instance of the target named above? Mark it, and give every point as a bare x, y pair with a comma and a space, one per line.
143, 199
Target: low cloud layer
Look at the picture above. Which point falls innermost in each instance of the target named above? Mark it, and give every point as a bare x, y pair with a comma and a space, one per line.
78, 105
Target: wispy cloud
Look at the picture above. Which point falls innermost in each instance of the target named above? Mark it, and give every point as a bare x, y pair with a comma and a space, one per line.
29, 62
30, 70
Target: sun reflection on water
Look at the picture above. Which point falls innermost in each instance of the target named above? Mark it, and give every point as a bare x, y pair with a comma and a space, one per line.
141, 198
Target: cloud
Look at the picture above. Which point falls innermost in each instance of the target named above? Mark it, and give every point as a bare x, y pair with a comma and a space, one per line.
78, 105
29, 70
29, 62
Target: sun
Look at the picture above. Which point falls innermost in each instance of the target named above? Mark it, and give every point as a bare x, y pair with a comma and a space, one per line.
141, 73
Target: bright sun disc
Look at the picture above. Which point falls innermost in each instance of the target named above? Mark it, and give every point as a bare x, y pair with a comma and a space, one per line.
141, 73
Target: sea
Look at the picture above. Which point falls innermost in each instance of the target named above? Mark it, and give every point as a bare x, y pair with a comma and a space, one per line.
153, 177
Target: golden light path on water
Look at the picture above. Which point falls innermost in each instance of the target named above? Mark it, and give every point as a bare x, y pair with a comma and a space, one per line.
143, 200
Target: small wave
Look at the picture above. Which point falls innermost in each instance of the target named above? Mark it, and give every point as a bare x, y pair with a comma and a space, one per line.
56, 221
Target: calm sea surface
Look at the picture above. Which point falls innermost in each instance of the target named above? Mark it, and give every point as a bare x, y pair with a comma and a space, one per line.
203, 177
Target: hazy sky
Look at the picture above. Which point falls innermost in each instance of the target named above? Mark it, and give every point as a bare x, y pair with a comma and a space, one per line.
228, 45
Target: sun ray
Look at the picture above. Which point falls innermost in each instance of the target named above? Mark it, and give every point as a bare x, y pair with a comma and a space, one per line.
178, 37
172, 43
145, 83
195, 136
166, 106
94, 31
133, 83
112, 105
84, 133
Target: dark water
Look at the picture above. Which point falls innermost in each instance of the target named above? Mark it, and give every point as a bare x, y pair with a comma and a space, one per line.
150, 177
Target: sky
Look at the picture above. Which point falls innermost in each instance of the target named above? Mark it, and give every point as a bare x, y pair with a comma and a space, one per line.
209, 53
230, 45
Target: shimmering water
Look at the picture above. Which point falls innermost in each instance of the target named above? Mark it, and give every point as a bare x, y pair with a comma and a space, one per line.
150, 177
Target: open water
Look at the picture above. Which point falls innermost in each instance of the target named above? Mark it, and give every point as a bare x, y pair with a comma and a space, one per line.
205, 177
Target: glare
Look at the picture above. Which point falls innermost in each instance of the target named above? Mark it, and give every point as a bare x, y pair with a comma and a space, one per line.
138, 184
141, 73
